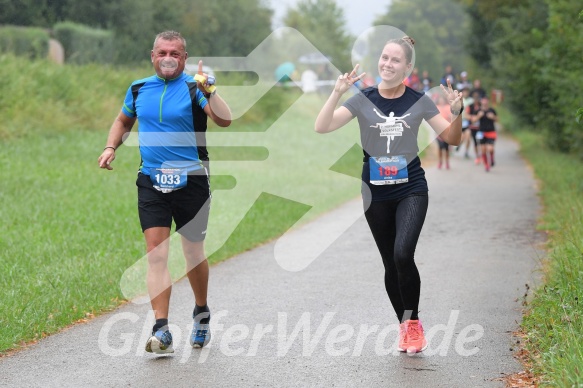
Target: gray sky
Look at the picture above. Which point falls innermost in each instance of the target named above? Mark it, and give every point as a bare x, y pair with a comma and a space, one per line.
359, 14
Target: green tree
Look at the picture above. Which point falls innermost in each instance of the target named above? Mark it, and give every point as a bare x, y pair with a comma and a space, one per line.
480, 31
561, 56
136, 22
45, 13
322, 23
37, 13
210, 28
438, 27
534, 54
93, 13
514, 37
233, 28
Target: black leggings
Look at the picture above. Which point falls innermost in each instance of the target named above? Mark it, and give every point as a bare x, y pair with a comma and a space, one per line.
476, 142
395, 226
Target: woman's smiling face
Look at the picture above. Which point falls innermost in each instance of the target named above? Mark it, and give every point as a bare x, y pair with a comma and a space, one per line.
393, 65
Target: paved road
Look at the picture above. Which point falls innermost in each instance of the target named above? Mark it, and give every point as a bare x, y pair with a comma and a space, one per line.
331, 324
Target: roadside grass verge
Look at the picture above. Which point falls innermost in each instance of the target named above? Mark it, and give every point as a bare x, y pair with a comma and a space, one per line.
553, 324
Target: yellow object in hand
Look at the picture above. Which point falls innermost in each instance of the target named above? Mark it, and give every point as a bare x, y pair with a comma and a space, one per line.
209, 87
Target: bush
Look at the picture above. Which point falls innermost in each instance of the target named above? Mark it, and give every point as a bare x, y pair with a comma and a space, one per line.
41, 97
84, 44
24, 41
536, 56
561, 55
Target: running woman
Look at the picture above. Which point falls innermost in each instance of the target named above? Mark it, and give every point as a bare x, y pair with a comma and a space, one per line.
474, 124
467, 101
443, 148
393, 181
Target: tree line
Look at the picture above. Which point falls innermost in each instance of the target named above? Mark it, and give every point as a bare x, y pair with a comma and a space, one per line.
211, 28
533, 50
232, 28
530, 49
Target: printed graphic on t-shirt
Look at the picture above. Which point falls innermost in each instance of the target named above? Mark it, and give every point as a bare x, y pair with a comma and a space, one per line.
391, 127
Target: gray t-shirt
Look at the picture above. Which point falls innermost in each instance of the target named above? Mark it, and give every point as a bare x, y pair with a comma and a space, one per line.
389, 127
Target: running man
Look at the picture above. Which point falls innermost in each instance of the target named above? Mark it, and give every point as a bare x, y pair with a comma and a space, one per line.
466, 133
173, 182
474, 125
487, 118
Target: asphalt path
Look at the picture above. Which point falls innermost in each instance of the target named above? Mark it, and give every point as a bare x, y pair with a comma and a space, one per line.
331, 324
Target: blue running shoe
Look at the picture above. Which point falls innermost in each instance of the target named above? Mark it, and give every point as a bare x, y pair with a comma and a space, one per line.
201, 334
160, 342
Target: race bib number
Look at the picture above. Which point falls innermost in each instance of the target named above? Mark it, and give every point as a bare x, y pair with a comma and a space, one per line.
388, 170
168, 179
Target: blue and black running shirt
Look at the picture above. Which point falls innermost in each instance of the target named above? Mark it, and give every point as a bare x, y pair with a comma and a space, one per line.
172, 122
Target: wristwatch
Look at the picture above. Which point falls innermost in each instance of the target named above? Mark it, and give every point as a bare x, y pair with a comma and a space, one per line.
211, 93
458, 112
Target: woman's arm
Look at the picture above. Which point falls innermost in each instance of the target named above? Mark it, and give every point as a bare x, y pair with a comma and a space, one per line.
330, 119
450, 131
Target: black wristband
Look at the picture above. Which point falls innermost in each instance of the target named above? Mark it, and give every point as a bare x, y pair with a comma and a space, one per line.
457, 113
113, 148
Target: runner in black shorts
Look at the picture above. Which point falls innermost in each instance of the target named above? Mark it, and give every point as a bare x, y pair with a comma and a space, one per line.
487, 118
466, 133
189, 206
475, 124
172, 109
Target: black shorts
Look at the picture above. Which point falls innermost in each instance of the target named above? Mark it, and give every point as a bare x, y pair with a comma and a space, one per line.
474, 132
189, 206
442, 145
487, 141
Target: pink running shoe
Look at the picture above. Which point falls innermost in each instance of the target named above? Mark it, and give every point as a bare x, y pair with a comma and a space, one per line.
402, 337
415, 341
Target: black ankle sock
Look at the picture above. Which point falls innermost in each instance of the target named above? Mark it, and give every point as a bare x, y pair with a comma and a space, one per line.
201, 314
408, 314
159, 324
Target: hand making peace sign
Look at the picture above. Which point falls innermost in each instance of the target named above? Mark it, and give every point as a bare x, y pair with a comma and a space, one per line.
453, 96
345, 81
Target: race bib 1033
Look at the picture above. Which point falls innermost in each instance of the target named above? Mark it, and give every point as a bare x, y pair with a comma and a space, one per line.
168, 179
